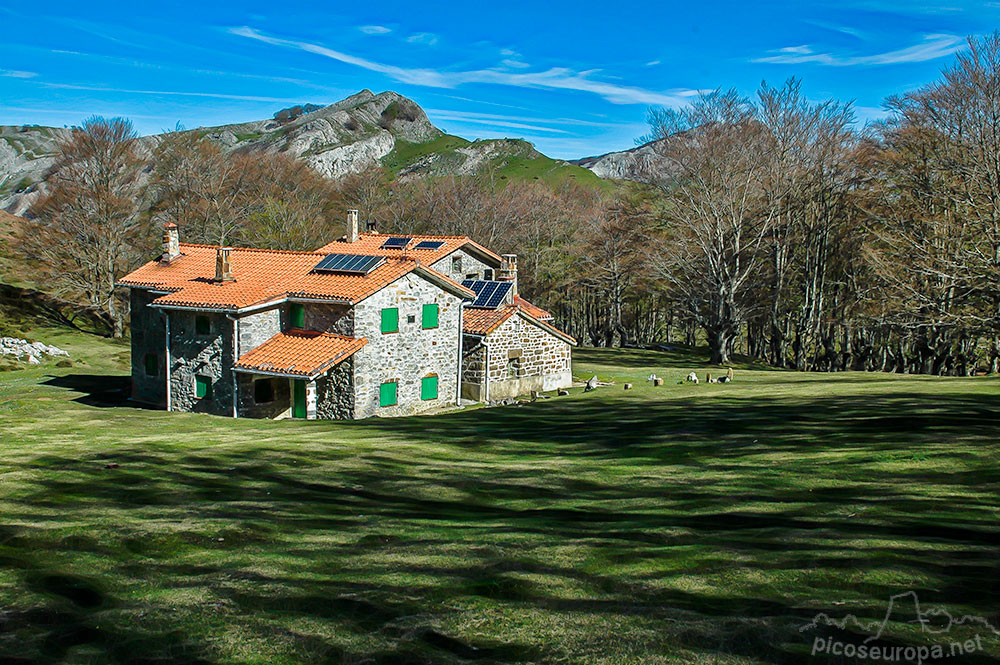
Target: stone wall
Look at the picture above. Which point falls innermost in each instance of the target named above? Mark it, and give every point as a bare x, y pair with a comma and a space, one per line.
257, 328
541, 361
332, 318
193, 354
148, 337
249, 408
471, 268
410, 354
335, 392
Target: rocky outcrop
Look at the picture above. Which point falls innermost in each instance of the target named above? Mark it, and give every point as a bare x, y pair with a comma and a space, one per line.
640, 164
26, 155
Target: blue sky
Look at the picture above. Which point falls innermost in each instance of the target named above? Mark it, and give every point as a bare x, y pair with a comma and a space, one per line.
575, 78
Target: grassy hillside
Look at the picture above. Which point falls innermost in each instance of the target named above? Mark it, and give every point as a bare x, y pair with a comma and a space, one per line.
676, 524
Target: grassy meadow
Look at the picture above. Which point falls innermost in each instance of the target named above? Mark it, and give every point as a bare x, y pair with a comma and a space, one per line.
673, 524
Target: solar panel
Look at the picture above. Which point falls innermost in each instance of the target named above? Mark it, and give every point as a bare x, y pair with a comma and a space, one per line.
429, 244
396, 242
356, 264
489, 294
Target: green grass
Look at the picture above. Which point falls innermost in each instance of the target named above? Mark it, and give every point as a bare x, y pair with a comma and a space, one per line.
672, 524
406, 153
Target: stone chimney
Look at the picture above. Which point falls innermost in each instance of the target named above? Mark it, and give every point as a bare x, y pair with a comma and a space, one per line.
352, 226
223, 266
171, 243
508, 271
372, 225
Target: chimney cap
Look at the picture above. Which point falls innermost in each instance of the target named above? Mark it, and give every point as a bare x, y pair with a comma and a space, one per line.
170, 225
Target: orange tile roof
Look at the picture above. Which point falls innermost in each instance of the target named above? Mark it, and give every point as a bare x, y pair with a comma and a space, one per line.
263, 276
371, 243
300, 353
533, 310
479, 321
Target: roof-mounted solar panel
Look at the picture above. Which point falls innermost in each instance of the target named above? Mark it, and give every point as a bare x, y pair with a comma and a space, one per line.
396, 242
429, 244
352, 264
489, 294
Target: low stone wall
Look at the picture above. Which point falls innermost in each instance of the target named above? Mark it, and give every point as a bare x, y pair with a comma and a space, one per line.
335, 392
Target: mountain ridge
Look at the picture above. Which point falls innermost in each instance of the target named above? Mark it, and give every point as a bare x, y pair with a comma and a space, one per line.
363, 130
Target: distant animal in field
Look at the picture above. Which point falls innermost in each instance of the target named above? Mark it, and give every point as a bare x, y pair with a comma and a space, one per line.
692, 378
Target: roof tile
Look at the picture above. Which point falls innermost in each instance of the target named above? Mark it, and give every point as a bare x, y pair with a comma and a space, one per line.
300, 353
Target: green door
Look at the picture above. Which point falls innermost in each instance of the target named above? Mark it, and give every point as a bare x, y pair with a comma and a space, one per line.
298, 399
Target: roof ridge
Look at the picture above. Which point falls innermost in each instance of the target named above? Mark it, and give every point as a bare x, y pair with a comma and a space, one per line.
301, 252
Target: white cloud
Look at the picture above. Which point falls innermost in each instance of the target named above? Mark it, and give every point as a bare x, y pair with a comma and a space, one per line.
180, 93
472, 116
374, 29
17, 74
652, 63
930, 48
514, 63
425, 38
556, 78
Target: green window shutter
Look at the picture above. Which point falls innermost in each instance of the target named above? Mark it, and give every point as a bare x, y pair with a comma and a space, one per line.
297, 316
390, 320
430, 316
152, 365
429, 387
387, 394
202, 325
203, 387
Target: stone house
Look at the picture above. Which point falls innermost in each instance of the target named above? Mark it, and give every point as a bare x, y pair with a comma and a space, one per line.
352, 330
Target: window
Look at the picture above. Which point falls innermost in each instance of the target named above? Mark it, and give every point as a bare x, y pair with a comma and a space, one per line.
430, 316
514, 367
387, 393
472, 275
411, 318
297, 315
152, 365
390, 320
263, 391
456, 264
203, 387
488, 274
203, 325
429, 387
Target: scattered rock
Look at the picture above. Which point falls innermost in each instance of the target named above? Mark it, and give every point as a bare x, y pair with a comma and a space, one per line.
32, 352
111, 465
692, 378
657, 381
628, 386
562, 392
591, 384
729, 375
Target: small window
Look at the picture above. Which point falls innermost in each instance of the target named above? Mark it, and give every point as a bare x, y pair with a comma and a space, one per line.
488, 274
430, 316
203, 325
472, 275
456, 264
152, 364
390, 320
411, 318
514, 366
429, 387
203, 387
263, 391
297, 315
387, 394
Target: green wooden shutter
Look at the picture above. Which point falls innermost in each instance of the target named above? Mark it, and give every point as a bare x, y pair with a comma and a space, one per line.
387, 394
390, 320
203, 387
430, 316
297, 316
429, 387
298, 399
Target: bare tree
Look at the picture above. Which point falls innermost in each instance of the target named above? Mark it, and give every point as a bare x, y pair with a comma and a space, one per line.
88, 230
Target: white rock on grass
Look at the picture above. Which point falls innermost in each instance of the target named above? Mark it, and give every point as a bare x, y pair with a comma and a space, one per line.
12, 346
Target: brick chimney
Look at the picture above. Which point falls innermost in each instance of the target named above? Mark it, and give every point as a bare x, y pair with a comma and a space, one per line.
508, 271
171, 243
352, 226
223, 266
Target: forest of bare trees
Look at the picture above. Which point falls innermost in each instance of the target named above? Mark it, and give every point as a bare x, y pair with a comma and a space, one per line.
780, 228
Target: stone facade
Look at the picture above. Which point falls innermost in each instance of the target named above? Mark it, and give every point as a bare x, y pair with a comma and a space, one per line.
516, 358
460, 265
409, 355
208, 355
335, 392
148, 340
279, 407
